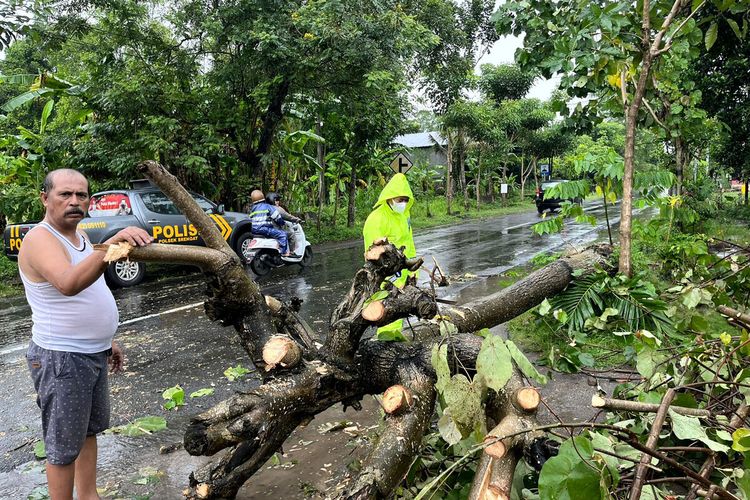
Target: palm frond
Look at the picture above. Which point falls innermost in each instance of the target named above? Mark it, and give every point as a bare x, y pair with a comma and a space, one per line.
581, 300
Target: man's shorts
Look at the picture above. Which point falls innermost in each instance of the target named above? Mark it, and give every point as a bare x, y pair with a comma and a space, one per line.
73, 394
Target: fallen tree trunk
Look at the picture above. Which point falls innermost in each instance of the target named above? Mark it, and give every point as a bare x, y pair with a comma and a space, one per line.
521, 296
301, 379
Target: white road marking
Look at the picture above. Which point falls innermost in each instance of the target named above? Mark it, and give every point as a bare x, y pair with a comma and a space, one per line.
168, 311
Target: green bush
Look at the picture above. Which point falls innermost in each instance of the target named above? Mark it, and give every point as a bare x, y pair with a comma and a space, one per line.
10, 282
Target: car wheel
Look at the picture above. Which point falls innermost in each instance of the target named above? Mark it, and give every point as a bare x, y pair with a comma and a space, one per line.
125, 273
259, 265
242, 246
307, 257
540, 209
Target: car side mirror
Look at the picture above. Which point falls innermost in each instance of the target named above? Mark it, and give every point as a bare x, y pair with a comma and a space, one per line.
220, 209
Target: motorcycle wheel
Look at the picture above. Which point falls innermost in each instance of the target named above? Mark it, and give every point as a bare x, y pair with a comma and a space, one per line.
259, 265
243, 246
307, 257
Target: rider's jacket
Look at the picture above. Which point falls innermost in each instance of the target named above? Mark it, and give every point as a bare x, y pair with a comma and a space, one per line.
264, 215
383, 222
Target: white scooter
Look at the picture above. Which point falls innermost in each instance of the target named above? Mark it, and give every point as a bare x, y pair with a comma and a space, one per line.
263, 253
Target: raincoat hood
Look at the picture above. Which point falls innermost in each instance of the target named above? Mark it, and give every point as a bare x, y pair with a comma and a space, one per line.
397, 186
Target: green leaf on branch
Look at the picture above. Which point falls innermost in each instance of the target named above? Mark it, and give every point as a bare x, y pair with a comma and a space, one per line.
647, 361
548, 226
711, 35
448, 428
569, 475
391, 335
523, 363
545, 307
741, 440
736, 28
440, 364
744, 483
690, 428
692, 298
464, 400
494, 362
379, 295
603, 442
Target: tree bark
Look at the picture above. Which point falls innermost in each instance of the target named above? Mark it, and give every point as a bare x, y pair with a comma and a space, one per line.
649, 50
679, 153
449, 177
518, 298
274, 114
352, 197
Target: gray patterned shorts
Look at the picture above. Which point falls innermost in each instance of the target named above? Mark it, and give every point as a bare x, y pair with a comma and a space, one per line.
73, 394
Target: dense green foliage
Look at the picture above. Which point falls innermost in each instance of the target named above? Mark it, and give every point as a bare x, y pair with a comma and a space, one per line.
661, 328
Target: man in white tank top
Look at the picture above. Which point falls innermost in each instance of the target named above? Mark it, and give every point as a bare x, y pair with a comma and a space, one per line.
74, 319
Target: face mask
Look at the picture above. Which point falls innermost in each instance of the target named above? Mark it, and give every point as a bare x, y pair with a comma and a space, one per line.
399, 207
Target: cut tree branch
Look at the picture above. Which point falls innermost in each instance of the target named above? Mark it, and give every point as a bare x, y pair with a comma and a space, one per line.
653, 438
625, 405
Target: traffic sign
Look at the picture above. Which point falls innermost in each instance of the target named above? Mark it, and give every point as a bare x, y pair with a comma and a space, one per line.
401, 164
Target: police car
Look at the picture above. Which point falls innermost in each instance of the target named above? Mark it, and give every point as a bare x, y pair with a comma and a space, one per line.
144, 206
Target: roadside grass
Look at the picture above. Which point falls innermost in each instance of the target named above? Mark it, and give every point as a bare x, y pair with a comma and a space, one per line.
10, 282
533, 333
733, 225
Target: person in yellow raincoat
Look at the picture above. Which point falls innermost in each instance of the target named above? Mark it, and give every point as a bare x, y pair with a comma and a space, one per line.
391, 218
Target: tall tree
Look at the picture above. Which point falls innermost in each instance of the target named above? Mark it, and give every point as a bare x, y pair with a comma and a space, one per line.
464, 33
607, 50
204, 87
721, 75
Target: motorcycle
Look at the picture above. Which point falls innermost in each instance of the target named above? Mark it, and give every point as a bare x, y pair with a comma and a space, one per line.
263, 253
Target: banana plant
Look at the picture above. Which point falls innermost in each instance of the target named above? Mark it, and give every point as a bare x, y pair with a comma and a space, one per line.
43, 84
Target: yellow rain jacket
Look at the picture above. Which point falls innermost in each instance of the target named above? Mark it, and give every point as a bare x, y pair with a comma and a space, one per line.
383, 222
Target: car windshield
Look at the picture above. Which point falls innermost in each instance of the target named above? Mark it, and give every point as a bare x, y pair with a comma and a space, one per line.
547, 185
158, 203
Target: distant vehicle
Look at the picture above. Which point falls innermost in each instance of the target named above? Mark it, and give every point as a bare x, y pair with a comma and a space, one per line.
147, 207
550, 204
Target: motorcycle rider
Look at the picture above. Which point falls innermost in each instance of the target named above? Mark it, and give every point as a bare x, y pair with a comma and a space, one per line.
267, 221
275, 200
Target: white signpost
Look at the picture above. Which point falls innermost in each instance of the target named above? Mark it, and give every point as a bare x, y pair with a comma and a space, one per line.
401, 164
503, 189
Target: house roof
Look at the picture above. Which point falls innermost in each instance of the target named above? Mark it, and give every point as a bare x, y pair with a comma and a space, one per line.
420, 140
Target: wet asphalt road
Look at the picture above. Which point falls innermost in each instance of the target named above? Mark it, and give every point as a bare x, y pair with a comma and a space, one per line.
169, 341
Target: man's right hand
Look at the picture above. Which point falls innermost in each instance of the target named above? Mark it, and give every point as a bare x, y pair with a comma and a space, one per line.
133, 235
